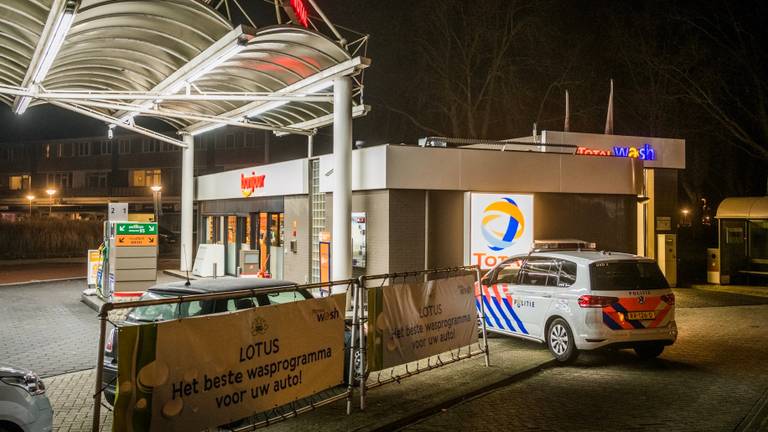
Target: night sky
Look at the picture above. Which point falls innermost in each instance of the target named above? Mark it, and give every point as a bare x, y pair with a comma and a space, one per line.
491, 68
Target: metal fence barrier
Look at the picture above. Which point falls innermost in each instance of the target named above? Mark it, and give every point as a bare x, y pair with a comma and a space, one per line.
109, 314
358, 374
361, 331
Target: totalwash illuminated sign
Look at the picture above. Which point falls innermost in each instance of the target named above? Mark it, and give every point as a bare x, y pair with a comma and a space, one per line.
249, 184
646, 152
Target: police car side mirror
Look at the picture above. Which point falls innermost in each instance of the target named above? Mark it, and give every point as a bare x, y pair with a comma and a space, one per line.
487, 280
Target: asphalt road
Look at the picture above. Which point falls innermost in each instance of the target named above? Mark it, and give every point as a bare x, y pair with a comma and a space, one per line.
709, 380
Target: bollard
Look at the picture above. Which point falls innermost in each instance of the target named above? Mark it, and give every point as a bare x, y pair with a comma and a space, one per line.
214, 270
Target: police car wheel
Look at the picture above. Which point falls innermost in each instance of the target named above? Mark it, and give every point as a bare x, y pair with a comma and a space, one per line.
560, 341
649, 351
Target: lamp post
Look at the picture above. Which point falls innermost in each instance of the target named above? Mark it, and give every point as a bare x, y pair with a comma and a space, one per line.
156, 189
51, 192
30, 198
686, 222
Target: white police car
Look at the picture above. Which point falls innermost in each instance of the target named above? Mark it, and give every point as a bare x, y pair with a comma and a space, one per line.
580, 299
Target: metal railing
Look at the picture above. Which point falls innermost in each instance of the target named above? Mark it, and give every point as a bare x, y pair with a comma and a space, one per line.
358, 374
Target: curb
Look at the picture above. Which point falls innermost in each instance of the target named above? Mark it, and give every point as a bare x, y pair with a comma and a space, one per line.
32, 282
179, 274
476, 393
93, 302
71, 260
752, 291
757, 418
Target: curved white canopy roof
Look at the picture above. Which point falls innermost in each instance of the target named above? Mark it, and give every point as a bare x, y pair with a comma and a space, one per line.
177, 60
743, 208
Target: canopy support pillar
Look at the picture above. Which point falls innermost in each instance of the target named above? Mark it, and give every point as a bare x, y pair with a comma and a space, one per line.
187, 201
341, 235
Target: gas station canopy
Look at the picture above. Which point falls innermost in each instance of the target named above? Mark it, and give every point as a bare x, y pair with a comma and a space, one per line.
183, 62
177, 60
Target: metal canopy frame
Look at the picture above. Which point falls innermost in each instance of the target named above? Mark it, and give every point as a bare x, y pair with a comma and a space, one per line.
183, 62
116, 60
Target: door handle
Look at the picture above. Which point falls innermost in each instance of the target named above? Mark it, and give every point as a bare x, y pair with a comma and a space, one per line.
546, 295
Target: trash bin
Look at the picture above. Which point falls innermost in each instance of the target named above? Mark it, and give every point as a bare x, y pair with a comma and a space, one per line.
713, 265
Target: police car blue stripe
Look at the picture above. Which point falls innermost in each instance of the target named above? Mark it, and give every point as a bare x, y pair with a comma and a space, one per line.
607, 320
479, 310
515, 317
493, 314
501, 312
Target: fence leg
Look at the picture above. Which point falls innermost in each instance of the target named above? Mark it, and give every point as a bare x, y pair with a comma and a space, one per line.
355, 293
362, 294
482, 321
99, 369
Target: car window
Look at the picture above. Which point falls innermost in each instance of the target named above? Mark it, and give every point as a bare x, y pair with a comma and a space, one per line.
566, 275
165, 312
285, 297
240, 304
626, 275
540, 271
508, 271
194, 308
535, 271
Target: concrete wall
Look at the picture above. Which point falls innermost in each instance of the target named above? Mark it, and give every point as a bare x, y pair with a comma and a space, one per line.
296, 266
406, 230
608, 220
446, 227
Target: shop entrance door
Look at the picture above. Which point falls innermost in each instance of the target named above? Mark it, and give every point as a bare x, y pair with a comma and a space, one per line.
231, 245
270, 242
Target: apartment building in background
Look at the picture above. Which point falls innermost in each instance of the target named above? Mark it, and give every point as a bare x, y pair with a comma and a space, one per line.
90, 172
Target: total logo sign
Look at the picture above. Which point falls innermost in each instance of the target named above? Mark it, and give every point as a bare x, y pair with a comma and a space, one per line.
501, 226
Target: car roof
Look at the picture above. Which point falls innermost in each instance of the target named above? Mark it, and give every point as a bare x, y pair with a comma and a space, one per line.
206, 286
587, 257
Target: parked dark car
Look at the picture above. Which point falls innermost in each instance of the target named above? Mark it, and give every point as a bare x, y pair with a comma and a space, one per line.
163, 312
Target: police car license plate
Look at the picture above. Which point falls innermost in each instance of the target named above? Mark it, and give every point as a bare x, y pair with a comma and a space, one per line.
641, 315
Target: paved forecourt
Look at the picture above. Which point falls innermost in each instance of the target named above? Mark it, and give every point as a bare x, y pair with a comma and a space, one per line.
46, 328
708, 381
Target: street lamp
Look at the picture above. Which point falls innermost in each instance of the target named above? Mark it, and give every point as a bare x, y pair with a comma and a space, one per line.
686, 221
30, 198
156, 189
51, 192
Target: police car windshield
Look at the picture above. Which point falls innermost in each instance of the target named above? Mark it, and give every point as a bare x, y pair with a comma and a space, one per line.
626, 275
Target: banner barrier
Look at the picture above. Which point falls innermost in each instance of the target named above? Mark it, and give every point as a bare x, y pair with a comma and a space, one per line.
244, 369
253, 367
417, 320
211, 370
397, 326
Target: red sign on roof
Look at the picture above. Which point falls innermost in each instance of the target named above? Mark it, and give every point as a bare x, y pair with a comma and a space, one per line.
297, 11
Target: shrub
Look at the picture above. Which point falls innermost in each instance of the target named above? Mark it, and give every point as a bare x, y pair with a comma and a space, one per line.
48, 238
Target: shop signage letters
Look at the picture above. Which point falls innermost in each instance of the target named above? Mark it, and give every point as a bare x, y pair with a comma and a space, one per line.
249, 184
646, 152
